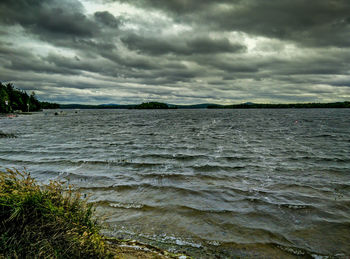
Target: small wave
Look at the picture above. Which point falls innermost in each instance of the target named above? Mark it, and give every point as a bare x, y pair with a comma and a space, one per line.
18, 161
325, 136
235, 158
186, 176
199, 210
341, 186
176, 240
293, 187
319, 159
179, 157
296, 206
91, 178
125, 187
125, 205
215, 168
120, 143
60, 161
147, 134
102, 162
167, 175
250, 200
293, 250
333, 159
143, 164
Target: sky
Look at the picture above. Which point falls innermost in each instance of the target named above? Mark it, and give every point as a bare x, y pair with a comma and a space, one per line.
177, 51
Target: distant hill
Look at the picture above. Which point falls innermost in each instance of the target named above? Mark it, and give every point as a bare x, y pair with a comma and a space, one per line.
281, 106
101, 106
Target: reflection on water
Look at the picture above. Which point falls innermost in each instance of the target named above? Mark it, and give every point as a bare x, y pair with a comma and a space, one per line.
225, 182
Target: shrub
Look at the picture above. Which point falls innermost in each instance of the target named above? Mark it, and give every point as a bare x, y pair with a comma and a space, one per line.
50, 221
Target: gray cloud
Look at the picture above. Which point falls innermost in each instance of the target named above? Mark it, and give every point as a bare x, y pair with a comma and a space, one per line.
48, 18
177, 51
180, 46
314, 23
107, 19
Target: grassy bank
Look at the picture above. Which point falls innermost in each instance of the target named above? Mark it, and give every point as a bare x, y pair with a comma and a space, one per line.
53, 221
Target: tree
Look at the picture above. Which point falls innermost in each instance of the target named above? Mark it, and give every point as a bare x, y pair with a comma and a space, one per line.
4, 100
12, 99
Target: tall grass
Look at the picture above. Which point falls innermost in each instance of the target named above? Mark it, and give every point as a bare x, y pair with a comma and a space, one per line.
48, 221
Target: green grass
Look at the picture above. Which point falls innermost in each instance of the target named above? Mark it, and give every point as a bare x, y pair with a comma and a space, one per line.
41, 222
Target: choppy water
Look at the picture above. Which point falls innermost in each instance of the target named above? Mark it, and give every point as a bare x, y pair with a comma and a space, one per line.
225, 183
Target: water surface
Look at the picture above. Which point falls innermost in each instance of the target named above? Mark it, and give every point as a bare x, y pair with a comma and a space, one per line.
223, 183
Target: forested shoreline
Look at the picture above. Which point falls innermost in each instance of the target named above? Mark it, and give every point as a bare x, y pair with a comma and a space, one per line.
16, 100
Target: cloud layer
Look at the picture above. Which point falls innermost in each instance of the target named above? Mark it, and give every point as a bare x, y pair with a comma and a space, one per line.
231, 51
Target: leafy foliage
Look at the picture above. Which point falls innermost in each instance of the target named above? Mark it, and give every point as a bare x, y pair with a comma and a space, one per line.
12, 99
45, 221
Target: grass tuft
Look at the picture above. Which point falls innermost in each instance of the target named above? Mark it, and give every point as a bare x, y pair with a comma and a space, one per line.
48, 221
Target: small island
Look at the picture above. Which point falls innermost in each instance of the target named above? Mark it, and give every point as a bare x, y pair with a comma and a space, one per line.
152, 105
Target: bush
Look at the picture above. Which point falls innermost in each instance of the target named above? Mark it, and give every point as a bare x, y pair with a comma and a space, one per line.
48, 221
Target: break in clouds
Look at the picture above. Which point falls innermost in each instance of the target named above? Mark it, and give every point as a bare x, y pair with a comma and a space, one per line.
176, 51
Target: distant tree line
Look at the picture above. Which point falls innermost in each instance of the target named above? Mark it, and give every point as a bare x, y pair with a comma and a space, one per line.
148, 105
12, 99
280, 106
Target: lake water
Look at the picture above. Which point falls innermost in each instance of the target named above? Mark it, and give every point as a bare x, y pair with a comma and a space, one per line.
224, 183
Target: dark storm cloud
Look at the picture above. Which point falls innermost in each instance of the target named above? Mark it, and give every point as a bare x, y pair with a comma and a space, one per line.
234, 66
314, 22
48, 18
74, 63
343, 83
107, 18
19, 60
199, 45
210, 46
38, 66
176, 6
151, 45
326, 62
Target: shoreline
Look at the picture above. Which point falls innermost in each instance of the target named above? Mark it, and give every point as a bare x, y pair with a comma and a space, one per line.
60, 221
